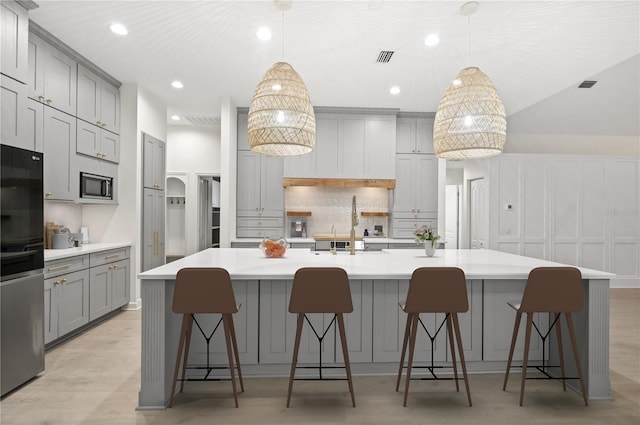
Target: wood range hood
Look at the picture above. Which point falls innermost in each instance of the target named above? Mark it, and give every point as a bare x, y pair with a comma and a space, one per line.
388, 184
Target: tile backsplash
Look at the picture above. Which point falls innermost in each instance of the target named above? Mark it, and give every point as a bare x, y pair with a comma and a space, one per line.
332, 206
65, 213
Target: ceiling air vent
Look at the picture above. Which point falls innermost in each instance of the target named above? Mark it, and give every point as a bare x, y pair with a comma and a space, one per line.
385, 56
203, 121
586, 84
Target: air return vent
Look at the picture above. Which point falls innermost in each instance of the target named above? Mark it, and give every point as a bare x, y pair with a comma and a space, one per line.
586, 84
203, 121
385, 56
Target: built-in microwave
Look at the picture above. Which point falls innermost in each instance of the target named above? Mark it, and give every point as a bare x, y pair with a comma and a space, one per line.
93, 186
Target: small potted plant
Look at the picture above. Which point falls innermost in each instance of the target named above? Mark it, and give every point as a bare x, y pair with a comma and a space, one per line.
425, 235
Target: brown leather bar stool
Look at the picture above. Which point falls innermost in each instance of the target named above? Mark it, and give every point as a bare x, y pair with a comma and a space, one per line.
320, 290
435, 290
554, 290
205, 290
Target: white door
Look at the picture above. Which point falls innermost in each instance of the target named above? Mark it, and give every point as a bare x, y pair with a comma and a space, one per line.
452, 222
477, 222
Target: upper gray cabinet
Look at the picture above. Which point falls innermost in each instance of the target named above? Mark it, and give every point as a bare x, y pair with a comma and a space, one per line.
97, 142
154, 157
52, 76
98, 101
414, 135
14, 33
13, 119
359, 146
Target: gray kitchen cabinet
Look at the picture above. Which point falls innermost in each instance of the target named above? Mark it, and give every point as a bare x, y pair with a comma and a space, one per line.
92, 165
98, 101
243, 131
375, 246
66, 304
348, 146
497, 331
390, 322
278, 327
260, 195
14, 34
153, 228
52, 76
154, 162
109, 288
414, 134
13, 98
245, 322
34, 125
60, 182
97, 142
416, 193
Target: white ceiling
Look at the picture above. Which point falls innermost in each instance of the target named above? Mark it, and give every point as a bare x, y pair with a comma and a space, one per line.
531, 50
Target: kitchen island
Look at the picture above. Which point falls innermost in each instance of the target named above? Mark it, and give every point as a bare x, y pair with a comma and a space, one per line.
379, 280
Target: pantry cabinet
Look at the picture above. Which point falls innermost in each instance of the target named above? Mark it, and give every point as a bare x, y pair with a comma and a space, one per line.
153, 228
154, 160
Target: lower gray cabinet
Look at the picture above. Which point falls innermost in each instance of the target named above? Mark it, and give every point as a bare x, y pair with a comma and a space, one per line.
66, 304
109, 288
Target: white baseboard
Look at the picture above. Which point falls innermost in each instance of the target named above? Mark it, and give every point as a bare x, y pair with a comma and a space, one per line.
629, 282
134, 305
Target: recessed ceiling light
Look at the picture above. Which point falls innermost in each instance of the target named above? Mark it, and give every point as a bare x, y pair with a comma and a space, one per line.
431, 40
118, 29
264, 34
177, 84
175, 117
394, 90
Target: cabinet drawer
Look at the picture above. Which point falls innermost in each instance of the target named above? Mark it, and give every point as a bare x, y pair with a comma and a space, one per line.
110, 256
260, 232
403, 245
412, 223
65, 265
415, 215
260, 222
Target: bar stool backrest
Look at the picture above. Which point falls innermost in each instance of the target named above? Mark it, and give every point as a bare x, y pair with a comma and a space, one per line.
437, 290
203, 290
553, 289
320, 290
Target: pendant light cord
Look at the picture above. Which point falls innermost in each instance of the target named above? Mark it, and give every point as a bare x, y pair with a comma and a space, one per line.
283, 35
468, 40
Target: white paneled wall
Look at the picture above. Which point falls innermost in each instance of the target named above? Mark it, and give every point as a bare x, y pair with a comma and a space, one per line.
570, 209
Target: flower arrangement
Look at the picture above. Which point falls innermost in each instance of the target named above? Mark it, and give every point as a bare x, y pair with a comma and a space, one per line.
425, 233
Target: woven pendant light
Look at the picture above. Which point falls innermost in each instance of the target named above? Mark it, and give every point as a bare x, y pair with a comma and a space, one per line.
470, 121
281, 118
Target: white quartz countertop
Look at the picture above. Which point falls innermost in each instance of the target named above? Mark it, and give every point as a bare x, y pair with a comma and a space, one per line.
56, 254
250, 264
369, 239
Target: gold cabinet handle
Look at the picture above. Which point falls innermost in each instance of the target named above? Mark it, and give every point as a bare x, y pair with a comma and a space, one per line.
41, 98
48, 194
62, 267
108, 257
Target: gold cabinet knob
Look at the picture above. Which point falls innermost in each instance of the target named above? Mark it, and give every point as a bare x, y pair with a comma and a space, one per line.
48, 194
49, 101
64, 280
56, 282
41, 98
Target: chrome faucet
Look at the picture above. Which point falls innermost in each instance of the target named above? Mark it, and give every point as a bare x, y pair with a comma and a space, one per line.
354, 223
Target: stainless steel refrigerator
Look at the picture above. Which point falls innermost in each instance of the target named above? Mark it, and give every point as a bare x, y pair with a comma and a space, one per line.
21, 268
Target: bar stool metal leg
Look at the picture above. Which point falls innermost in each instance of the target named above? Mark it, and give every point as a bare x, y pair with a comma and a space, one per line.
453, 352
294, 361
405, 340
560, 351
456, 326
227, 336
574, 345
516, 326
345, 355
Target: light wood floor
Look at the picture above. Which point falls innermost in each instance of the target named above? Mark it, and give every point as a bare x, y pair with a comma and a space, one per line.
94, 379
